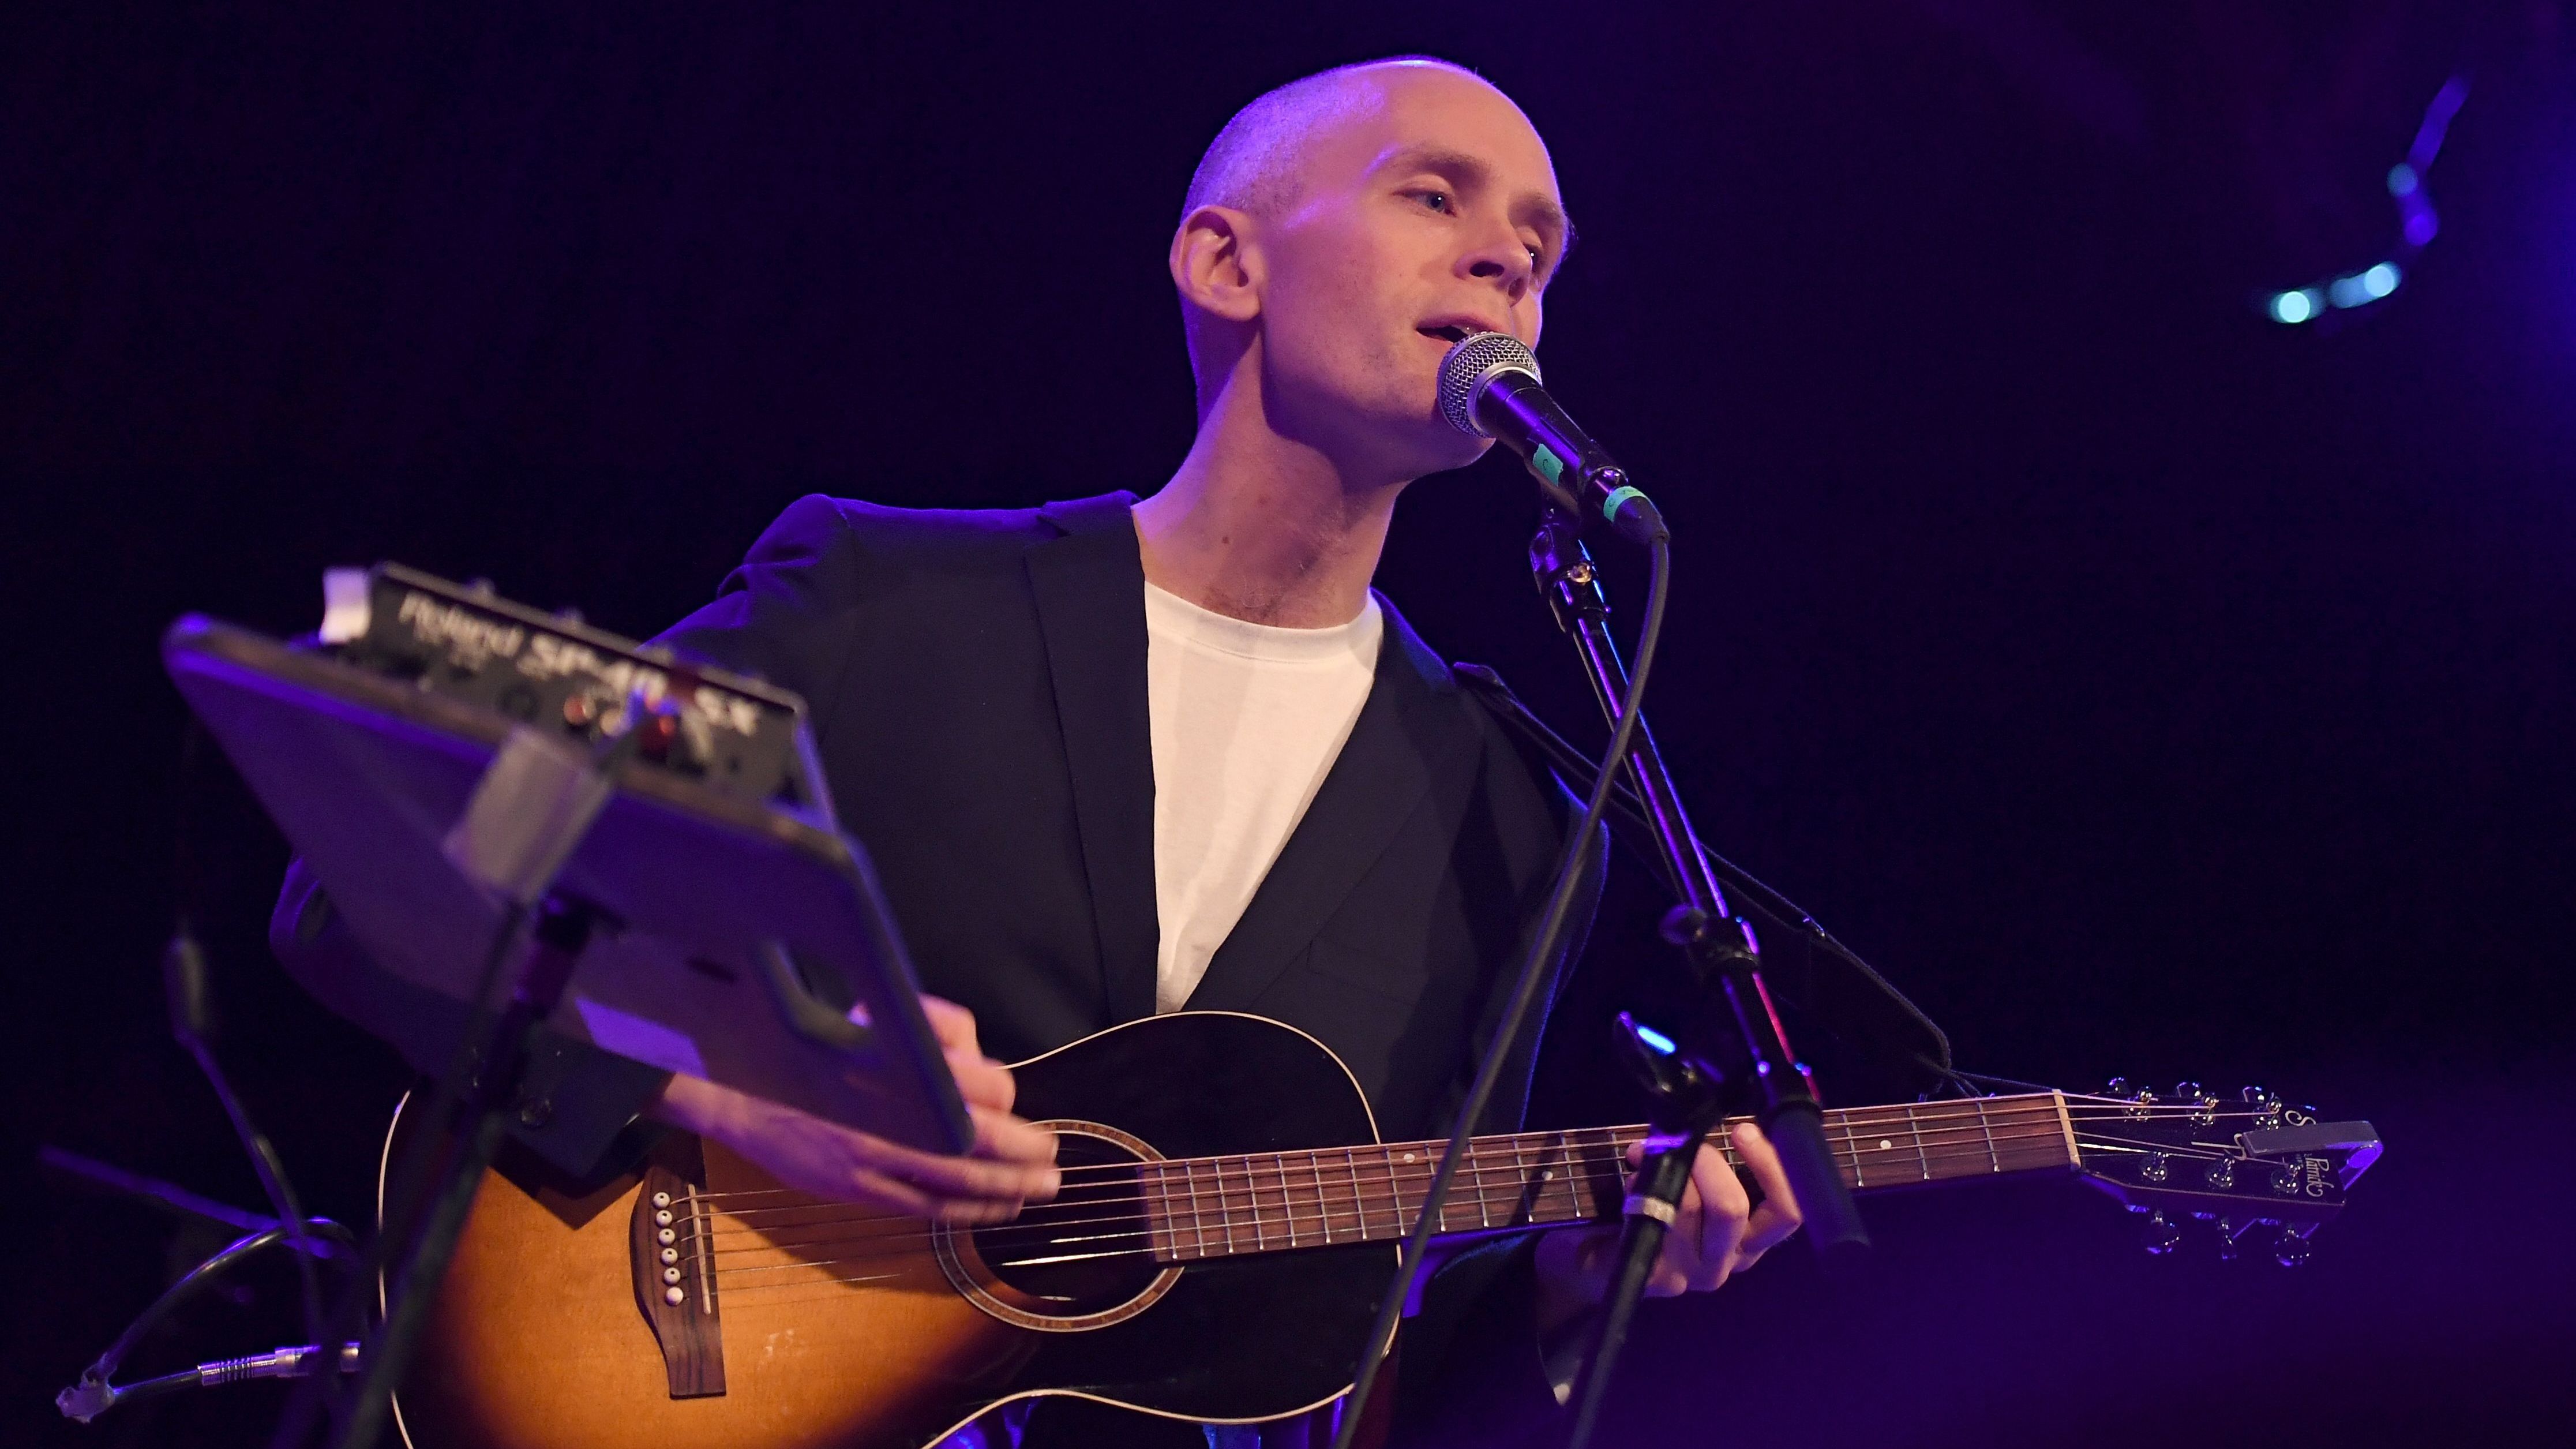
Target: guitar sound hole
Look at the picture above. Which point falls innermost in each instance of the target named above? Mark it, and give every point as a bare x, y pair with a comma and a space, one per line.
1090, 1248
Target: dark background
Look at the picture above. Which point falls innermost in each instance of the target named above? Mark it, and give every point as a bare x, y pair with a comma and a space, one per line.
2147, 687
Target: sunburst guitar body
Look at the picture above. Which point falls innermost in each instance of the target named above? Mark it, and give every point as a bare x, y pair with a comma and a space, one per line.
699, 1306
1226, 1225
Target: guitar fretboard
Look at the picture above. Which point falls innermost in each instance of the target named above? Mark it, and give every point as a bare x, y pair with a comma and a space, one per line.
1215, 1207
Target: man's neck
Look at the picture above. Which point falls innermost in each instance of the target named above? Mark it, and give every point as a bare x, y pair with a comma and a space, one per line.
1266, 529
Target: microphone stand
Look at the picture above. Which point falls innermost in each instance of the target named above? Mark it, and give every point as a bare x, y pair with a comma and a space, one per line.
1743, 1050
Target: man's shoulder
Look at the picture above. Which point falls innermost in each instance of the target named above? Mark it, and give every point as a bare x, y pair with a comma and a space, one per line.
818, 522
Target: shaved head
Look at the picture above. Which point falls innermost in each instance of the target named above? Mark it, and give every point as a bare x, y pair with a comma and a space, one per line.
1340, 233
1257, 163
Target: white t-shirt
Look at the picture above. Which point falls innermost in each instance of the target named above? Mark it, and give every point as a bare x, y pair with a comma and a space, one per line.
1247, 720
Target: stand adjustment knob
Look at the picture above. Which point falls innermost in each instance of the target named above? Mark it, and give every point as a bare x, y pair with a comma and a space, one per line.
2161, 1236
2293, 1249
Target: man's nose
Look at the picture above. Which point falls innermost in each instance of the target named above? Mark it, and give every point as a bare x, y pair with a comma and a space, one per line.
1502, 261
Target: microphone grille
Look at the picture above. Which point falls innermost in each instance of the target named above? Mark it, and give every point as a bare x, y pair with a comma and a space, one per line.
1472, 362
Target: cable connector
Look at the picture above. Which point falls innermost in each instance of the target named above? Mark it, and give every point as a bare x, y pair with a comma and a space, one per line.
94, 1395
293, 1362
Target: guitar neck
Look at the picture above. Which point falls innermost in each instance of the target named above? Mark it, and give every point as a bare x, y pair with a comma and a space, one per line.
1215, 1207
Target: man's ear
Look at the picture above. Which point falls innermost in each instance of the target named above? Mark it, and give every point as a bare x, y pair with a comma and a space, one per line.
1216, 265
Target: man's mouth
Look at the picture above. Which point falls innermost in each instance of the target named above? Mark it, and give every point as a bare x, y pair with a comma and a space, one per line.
1452, 335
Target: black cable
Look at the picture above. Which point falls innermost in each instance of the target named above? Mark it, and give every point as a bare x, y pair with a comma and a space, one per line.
1629, 810
1534, 972
93, 1393
192, 1021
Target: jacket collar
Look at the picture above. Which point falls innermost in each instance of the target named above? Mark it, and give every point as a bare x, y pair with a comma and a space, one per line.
1410, 743
1410, 739
1090, 588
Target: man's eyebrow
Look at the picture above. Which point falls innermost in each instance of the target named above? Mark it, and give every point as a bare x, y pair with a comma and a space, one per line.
1538, 209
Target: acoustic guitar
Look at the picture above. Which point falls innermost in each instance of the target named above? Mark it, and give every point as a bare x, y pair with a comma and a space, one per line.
1227, 1221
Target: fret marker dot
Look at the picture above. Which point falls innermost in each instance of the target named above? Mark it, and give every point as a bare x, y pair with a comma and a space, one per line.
1408, 1157
1884, 1144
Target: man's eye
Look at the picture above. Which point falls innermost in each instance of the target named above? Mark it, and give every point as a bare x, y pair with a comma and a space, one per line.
1437, 200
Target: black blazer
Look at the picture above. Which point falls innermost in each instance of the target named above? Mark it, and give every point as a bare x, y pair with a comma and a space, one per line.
977, 685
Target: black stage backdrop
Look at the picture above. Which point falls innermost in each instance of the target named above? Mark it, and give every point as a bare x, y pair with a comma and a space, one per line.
2148, 687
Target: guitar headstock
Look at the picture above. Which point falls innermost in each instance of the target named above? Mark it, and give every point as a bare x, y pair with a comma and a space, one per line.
2262, 1174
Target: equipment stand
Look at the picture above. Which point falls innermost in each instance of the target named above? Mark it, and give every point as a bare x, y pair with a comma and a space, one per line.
473, 1132
1746, 1054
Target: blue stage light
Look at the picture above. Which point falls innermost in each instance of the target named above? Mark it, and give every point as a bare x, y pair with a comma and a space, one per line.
2417, 225
1655, 1039
2293, 307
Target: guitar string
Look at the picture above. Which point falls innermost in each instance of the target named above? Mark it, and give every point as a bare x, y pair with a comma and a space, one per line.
1249, 1174
1848, 1120
1254, 1190
1031, 1235
1254, 1179
735, 1275
1846, 1139
1510, 1183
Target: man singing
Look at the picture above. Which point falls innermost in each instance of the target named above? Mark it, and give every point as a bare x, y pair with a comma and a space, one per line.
1117, 757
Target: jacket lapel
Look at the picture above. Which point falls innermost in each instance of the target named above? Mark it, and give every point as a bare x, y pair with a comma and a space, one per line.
1410, 739
1090, 590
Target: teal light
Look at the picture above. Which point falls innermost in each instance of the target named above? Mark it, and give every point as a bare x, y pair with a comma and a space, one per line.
2294, 308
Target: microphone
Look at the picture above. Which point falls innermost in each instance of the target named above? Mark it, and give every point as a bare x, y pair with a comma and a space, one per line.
1489, 388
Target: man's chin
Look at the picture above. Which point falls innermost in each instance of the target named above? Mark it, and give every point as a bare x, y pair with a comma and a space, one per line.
1453, 454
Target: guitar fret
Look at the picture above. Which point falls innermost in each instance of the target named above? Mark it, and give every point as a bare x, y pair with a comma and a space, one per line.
1561, 1156
1992, 1156
1524, 1191
1259, 1241
1198, 1217
1158, 1228
1323, 1206
1287, 1206
1359, 1205
1914, 1121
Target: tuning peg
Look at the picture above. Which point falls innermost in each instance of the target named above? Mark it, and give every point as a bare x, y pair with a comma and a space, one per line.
2255, 1095
2220, 1174
2204, 1103
2294, 1246
2160, 1235
2228, 1233
2116, 1087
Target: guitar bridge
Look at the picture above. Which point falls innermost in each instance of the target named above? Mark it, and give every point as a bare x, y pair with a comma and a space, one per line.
672, 1250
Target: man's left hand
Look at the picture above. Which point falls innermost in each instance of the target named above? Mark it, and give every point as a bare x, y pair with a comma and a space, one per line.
1717, 1233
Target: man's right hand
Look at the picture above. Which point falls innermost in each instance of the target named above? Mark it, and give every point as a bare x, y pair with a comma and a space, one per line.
1011, 1163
